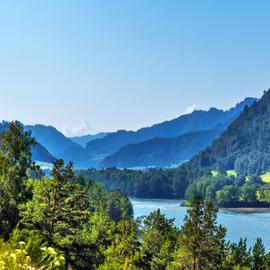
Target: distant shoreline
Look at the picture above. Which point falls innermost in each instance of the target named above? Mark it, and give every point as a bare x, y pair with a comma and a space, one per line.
247, 209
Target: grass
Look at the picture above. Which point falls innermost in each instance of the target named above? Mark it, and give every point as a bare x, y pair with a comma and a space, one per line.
229, 173
266, 177
186, 203
214, 173
232, 173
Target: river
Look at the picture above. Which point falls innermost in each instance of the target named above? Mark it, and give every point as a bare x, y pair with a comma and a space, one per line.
250, 224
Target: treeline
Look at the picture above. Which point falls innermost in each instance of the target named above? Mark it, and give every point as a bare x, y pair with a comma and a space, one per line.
230, 190
71, 222
222, 189
153, 183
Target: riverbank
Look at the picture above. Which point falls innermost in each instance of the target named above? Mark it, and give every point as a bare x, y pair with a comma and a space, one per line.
240, 222
247, 209
239, 207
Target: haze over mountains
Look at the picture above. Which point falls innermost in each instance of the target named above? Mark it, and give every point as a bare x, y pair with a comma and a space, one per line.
197, 120
162, 145
161, 152
200, 129
57, 144
84, 140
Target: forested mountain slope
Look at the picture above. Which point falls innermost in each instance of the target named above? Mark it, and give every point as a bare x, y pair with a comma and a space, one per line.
161, 152
244, 146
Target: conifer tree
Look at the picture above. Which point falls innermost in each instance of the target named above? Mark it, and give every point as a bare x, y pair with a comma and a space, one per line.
60, 211
15, 161
201, 241
258, 256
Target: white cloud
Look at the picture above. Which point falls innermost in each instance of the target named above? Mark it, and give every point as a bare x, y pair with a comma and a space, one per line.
79, 129
191, 109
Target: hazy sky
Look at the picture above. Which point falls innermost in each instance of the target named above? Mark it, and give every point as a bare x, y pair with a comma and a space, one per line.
107, 65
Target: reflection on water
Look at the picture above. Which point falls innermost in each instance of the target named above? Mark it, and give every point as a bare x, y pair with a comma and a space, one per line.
239, 224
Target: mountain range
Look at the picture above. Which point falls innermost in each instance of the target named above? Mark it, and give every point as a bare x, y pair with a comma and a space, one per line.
162, 145
161, 152
169, 143
195, 121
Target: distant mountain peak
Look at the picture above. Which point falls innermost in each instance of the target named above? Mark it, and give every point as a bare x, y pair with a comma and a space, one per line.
198, 120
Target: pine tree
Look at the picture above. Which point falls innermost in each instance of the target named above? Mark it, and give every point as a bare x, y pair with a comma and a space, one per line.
201, 241
60, 211
159, 237
239, 255
15, 161
258, 256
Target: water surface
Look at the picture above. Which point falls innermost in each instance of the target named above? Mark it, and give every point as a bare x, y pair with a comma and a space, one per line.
250, 224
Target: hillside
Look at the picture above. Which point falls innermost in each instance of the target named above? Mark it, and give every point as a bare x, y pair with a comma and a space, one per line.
244, 146
40, 153
161, 152
196, 121
56, 143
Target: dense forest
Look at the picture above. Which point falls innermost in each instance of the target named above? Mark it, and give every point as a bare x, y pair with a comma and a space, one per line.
70, 222
223, 189
153, 183
244, 146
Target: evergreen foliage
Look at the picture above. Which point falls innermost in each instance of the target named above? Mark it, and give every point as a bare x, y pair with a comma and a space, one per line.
71, 222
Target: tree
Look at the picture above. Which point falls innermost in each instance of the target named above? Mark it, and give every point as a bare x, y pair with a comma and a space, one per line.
124, 245
60, 212
239, 255
15, 143
258, 256
227, 195
118, 206
201, 242
159, 237
15, 161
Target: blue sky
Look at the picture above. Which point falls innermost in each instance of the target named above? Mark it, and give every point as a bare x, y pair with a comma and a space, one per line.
106, 65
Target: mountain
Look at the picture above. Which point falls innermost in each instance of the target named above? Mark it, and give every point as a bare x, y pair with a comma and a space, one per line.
39, 152
196, 121
57, 144
53, 143
244, 146
83, 140
161, 152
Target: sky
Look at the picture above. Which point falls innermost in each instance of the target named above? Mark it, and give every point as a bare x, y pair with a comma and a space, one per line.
96, 65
